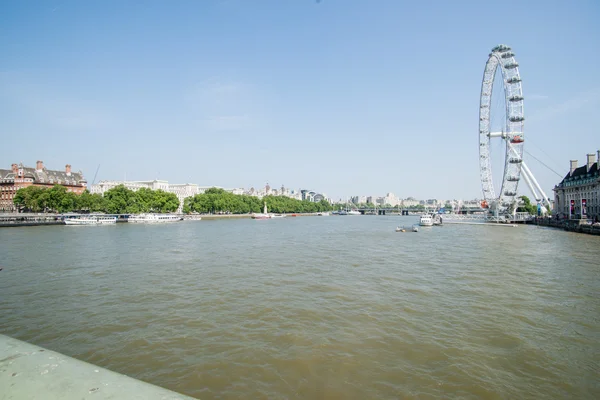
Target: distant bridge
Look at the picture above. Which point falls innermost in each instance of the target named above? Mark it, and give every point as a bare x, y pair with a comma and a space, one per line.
407, 211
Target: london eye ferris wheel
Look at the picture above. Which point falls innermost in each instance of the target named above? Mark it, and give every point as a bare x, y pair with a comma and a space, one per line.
501, 77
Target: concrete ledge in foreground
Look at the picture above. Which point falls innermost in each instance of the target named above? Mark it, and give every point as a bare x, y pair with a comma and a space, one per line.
31, 372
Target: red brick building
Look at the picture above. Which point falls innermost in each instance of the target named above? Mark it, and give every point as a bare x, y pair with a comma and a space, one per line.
20, 176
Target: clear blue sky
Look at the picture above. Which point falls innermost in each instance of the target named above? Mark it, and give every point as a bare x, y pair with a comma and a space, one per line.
342, 96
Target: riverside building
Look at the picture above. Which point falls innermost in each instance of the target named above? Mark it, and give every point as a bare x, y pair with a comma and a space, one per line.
20, 176
577, 196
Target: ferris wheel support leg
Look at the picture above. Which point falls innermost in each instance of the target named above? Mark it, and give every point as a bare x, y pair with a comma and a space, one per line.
531, 187
545, 198
534, 183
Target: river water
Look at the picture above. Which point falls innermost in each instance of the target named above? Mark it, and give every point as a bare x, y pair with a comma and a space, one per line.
338, 307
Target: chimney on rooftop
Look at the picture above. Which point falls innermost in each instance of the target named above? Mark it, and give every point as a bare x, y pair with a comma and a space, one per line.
39, 165
68, 169
15, 169
573, 167
590, 161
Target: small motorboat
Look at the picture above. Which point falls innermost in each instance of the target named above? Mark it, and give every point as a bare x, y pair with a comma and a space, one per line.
415, 228
398, 229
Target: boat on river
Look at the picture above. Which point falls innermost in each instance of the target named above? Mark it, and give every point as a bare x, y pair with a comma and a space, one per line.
264, 215
91, 220
154, 218
426, 220
414, 228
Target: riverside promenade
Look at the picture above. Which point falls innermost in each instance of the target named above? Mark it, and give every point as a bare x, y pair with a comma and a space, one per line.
32, 372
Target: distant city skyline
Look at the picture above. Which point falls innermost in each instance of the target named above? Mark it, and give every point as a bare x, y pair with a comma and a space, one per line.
337, 96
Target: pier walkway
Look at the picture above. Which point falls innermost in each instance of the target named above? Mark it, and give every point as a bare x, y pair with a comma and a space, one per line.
32, 372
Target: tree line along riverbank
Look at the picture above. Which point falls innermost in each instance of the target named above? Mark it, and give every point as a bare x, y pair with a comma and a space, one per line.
121, 200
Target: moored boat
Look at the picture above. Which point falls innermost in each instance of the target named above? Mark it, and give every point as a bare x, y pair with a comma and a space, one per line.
91, 220
426, 220
153, 218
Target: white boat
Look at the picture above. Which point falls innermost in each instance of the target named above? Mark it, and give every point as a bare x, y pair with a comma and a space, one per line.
192, 218
426, 220
437, 219
415, 228
154, 218
277, 215
265, 214
323, 214
91, 220
348, 210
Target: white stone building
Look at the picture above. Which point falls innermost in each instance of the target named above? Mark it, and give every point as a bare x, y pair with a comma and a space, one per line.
182, 190
410, 202
391, 199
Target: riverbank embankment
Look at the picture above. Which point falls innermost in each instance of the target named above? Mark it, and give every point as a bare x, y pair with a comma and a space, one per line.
39, 219
579, 226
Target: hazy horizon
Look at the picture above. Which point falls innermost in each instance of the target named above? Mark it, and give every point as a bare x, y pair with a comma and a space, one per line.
342, 97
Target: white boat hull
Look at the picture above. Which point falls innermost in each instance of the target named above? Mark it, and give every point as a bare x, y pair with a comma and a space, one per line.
153, 219
91, 221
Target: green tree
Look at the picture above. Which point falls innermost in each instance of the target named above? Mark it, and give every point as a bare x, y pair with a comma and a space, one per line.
145, 199
163, 202
56, 199
30, 199
87, 202
216, 200
120, 200
526, 206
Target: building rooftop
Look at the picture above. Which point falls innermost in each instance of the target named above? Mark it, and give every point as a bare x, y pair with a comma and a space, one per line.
49, 176
580, 173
